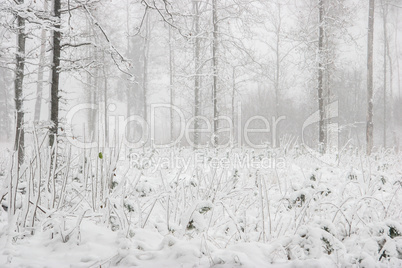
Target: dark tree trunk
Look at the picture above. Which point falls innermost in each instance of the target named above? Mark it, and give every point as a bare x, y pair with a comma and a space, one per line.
54, 91
369, 120
19, 77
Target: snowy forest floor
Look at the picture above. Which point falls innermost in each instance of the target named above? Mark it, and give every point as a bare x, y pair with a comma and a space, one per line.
255, 209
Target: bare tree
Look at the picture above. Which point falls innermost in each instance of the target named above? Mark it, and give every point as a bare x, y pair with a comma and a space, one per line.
90, 87
39, 86
19, 78
215, 70
145, 57
197, 69
6, 97
384, 18
105, 99
54, 91
280, 53
370, 38
397, 53
129, 88
171, 91
321, 132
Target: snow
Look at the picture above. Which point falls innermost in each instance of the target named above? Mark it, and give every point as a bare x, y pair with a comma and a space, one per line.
309, 214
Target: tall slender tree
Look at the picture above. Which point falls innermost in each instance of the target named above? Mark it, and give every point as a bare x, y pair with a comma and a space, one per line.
129, 86
321, 132
19, 78
197, 69
215, 70
384, 18
370, 42
145, 57
54, 91
41, 67
171, 91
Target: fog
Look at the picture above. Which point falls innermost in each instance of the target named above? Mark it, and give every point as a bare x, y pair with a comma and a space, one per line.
200, 133
264, 56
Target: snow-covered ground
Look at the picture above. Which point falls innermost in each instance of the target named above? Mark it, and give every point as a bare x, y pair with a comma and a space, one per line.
182, 208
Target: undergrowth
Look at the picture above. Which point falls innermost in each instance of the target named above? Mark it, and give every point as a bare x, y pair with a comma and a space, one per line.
345, 206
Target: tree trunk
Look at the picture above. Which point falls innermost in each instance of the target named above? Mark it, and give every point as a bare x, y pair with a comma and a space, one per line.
384, 17
105, 108
391, 91
39, 86
95, 98
370, 36
197, 75
215, 70
278, 67
145, 69
54, 92
19, 77
6, 127
105, 102
89, 85
171, 71
397, 53
321, 132
129, 88
233, 100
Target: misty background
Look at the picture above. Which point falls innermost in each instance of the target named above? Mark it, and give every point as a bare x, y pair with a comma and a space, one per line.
263, 55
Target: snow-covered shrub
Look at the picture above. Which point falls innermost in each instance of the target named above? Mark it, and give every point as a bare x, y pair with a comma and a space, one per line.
345, 213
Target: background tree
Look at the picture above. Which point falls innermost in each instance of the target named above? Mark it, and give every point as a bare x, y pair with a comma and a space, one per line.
41, 68
215, 70
370, 42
